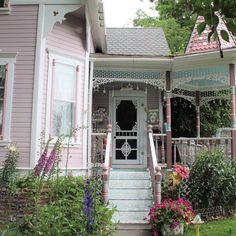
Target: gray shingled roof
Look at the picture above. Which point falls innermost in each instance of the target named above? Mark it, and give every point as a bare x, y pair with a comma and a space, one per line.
137, 41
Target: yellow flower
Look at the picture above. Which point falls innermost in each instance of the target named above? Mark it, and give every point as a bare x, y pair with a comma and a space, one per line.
176, 178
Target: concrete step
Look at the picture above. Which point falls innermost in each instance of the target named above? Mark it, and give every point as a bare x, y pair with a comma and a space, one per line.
134, 230
131, 194
123, 183
130, 217
128, 174
132, 204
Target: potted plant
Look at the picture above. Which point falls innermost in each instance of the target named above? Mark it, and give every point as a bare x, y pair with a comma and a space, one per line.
170, 216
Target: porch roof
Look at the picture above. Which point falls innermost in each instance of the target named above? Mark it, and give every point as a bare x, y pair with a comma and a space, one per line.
196, 72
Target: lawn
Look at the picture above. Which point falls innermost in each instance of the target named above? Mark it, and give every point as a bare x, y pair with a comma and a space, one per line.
225, 227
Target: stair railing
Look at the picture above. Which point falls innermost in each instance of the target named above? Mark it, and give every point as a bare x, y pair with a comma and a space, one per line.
154, 168
106, 167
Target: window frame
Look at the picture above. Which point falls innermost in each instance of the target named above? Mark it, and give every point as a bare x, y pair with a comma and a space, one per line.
76, 62
9, 60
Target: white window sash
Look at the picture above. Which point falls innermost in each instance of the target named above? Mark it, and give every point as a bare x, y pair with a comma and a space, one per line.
55, 60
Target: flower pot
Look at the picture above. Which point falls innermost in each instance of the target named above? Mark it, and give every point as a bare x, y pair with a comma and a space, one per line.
166, 230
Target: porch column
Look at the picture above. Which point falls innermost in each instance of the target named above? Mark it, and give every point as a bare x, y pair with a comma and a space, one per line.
168, 121
90, 105
198, 124
233, 110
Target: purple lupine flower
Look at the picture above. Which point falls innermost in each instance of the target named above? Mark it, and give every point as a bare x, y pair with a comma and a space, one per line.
42, 161
50, 161
52, 157
88, 206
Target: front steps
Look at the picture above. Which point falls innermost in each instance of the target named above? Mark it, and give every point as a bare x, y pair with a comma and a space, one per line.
130, 190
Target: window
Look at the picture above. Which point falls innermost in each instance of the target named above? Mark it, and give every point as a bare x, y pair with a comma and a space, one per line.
2, 93
64, 99
7, 65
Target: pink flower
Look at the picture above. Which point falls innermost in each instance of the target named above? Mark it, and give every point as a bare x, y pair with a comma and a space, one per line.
42, 161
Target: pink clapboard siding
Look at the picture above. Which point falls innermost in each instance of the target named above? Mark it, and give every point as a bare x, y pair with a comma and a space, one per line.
18, 33
68, 38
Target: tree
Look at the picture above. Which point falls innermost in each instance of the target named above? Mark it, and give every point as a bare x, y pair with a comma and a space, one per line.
176, 35
177, 19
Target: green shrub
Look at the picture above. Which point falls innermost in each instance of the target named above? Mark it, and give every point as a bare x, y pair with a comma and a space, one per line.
212, 181
67, 214
8, 172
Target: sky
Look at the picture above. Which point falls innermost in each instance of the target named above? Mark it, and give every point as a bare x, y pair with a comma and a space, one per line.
120, 13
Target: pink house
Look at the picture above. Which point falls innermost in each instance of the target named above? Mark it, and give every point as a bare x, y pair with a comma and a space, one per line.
61, 69
40, 45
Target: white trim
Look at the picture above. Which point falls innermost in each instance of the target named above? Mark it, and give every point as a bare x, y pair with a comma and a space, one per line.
86, 91
4, 143
56, 13
60, 54
8, 97
90, 107
85, 110
38, 89
5, 11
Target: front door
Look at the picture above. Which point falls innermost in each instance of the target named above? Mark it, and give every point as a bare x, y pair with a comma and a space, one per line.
127, 128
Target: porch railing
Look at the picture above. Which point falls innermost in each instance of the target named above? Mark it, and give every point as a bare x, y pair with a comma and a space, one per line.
106, 166
98, 148
185, 150
160, 149
154, 168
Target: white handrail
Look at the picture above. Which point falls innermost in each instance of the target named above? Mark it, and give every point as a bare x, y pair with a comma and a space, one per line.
108, 147
156, 169
106, 167
153, 153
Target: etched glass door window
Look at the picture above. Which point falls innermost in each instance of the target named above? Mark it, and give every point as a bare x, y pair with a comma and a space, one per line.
126, 141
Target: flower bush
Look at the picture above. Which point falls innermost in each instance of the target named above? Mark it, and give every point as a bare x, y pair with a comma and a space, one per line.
170, 213
175, 185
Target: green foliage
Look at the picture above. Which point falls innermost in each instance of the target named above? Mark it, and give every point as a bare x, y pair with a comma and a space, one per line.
212, 181
65, 215
183, 118
212, 10
214, 115
8, 173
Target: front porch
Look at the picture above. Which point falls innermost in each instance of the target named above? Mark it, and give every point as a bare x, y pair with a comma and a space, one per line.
134, 97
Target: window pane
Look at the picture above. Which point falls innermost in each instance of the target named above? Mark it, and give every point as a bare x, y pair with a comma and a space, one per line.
65, 82
63, 118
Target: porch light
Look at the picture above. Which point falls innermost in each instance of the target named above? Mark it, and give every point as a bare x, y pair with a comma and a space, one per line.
104, 91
